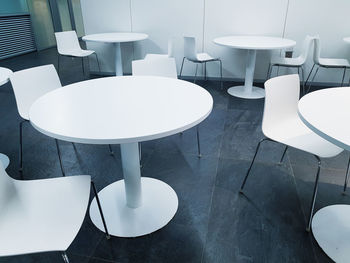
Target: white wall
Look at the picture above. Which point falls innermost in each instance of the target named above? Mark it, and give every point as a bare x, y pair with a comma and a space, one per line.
207, 19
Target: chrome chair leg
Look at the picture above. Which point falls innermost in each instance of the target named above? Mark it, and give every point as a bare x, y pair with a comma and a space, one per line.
59, 157
313, 200
98, 62
100, 209
58, 64
346, 177
205, 71
251, 164
195, 76
110, 149
182, 66
82, 65
342, 82
198, 143
21, 146
268, 74
308, 77
65, 257
284, 153
312, 80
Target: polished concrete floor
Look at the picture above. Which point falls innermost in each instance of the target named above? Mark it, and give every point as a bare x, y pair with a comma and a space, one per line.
214, 223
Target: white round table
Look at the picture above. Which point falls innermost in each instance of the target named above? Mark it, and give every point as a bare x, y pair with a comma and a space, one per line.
252, 44
125, 110
327, 112
5, 74
116, 39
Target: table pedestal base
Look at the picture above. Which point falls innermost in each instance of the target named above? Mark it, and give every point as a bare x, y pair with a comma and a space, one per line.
242, 92
159, 205
331, 229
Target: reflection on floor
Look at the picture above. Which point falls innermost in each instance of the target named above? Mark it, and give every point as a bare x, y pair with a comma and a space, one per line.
213, 223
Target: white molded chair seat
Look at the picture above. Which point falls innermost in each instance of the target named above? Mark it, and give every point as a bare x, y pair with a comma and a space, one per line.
294, 62
79, 53
68, 45
41, 215
334, 62
205, 57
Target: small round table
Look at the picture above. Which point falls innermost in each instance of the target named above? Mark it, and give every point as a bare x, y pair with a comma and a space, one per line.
326, 112
5, 74
252, 44
116, 39
125, 110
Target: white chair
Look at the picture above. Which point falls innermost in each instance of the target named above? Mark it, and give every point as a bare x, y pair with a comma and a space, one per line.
335, 63
198, 58
282, 124
28, 85
68, 45
297, 62
170, 51
159, 66
41, 215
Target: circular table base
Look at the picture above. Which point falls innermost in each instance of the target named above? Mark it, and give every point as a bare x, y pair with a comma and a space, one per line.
159, 205
240, 92
331, 229
5, 160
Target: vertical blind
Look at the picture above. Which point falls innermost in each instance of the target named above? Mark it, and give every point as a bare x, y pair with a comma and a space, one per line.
16, 35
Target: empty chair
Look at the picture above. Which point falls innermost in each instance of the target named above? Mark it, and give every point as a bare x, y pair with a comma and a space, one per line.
198, 58
282, 124
68, 45
28, 85
297, 62
319, 62
41, 215
170, 51
160, 66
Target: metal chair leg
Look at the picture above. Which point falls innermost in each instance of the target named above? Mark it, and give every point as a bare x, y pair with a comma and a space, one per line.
82, 65
312, 80
284, 153
268, 71
110, 149
98, 62
303, 80
271, 68
65, 257
309, 75
21, 146
182, 66
198, 143
59, 157
221, 73
58, 64
140, 154
195, 76
346, 177
342, 82
205, 71
313, 200
251, 164
100, 209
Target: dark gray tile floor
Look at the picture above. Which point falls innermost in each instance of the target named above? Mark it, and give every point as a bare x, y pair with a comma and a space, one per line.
213, 223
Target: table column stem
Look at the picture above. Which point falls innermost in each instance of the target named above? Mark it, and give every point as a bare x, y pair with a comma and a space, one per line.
249, 71
132, 174
118, 60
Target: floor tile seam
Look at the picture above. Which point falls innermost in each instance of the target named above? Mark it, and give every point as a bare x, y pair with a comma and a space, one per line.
212, 193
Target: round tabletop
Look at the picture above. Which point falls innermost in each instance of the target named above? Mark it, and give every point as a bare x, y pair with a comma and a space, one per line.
117, 37
118, 110
5, 74
255, 42
327, 112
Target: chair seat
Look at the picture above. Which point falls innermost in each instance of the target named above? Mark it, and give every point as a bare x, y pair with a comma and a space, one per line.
152, 56
293, 132
204, 57
292, 62
334, 62
43, 215
79, 53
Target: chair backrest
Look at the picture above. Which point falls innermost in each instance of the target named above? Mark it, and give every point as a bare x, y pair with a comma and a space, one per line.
30, 84
317, 50
163, 66
7, 189
190, 48
281, 100
306, 48
67, 42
